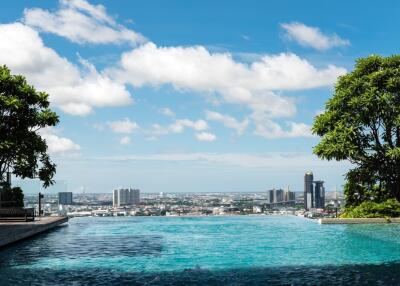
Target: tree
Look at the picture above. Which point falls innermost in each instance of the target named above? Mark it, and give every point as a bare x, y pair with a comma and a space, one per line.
361, 124
23, 112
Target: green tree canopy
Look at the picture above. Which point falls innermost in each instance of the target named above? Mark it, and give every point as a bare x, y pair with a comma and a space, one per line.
361, 124
23, 112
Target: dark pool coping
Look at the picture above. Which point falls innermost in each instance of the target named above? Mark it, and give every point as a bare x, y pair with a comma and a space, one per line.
358, 220
13, 231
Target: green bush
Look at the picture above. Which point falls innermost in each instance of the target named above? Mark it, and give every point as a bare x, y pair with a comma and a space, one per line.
370, 209
13, 196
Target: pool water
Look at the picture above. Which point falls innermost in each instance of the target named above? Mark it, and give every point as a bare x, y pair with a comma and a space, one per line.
236, 250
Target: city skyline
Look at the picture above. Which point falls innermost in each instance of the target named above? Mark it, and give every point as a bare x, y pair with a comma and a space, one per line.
155, 93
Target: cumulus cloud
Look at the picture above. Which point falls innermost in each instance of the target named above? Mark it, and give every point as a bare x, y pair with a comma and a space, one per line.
178, 126
195, 68
206, 136
81, 22
125, 140
74, 89
125, 126
79, 88
312, 36
228, 121
253, 85
57, 144
167, 112
269, 129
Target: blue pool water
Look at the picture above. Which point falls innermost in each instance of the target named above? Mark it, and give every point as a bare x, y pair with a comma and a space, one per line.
236, 250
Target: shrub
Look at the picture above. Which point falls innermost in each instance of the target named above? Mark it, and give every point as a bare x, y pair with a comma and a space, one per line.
370, 209
13, 196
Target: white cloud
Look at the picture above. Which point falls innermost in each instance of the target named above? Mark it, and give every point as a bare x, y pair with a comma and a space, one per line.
269, 129
178, 126
126, 140
57, 144
167, 112
246, 160
81, 22
125, 126
157, 130
312, 36
253, 85
228, 121
195, 68
206, 136
76, 90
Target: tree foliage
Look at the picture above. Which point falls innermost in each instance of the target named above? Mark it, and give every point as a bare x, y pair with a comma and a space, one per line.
23, 112
361, 124
369, 209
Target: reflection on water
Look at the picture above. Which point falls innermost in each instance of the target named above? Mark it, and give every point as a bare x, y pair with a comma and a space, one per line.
385, 274
205, 251
77, 247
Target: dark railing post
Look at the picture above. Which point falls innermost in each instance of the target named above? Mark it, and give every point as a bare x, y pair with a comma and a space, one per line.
41, 196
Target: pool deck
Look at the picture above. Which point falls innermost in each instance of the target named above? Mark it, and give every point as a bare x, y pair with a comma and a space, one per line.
357, 220
12, 231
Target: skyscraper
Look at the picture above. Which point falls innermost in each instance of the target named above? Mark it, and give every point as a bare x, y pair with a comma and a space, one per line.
308, 190
126, 197
65, 198
270, 195
134, 196
278, 196
319, 195
289, 196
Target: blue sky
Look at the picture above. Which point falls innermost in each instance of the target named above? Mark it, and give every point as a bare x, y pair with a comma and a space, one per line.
190, 96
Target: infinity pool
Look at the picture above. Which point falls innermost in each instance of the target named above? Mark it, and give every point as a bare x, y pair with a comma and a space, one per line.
237, 250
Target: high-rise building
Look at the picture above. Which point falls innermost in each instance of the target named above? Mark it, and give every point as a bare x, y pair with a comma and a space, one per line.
308, 190
319, 195
289, 196
65, 198
278, 196
134, 196
115, 197
270, 196
314, 196
126, 197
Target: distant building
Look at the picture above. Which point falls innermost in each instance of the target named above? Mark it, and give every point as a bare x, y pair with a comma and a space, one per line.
270, 196
289, 196
319, 195
278, 196
314, 196
126, 197
134, 196
308, 190
65, 198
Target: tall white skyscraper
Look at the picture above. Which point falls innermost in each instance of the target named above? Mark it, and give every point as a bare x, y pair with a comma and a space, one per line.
126, 197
